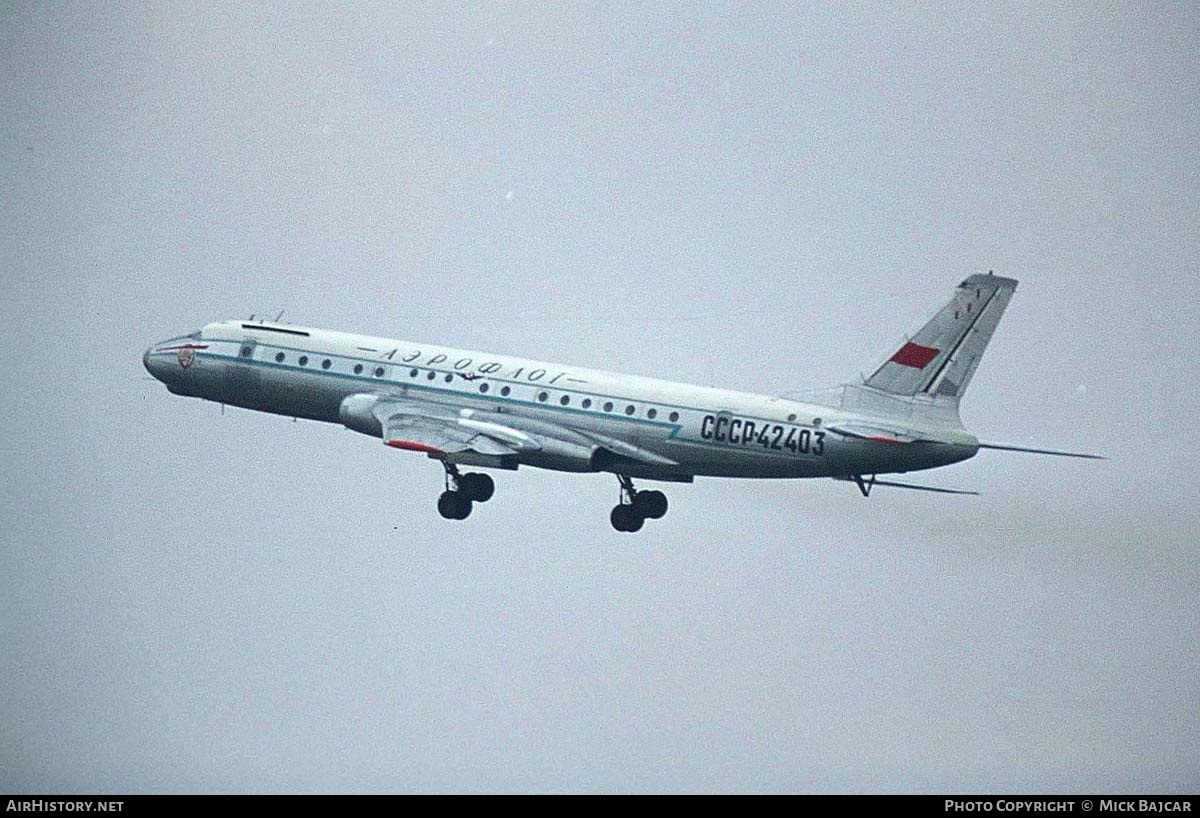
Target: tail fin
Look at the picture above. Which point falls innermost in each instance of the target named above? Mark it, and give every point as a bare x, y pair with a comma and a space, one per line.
939, 360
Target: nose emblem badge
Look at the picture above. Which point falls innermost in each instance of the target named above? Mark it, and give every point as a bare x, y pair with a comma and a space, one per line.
186, 356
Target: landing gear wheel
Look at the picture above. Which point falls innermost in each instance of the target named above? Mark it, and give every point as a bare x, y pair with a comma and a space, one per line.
624, 518
454, 505
479, 487
636, 506
650, 504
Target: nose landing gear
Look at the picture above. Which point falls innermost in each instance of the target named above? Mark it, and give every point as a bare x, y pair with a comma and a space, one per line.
462, 491
636, 507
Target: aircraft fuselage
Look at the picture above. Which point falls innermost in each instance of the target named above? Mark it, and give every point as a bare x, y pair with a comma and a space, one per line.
682, 430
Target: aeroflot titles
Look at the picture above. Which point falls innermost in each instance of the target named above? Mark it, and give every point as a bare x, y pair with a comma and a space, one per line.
486, 368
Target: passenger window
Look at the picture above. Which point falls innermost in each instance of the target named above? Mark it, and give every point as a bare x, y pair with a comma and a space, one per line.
358, 369
504, 390
564, 400
483, 387
379, 372
325, 364
674, 416
303, 360
629, 410
587, 402
542, 396
608, 406
279, 357
652, 413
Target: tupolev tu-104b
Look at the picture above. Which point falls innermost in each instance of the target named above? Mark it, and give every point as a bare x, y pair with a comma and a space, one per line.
466, 408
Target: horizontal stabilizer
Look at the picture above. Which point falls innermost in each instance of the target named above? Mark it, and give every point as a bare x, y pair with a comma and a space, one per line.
1006, 448
924, 488
865, 486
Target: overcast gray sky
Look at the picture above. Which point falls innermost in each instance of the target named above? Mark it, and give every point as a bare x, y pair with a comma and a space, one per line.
761, 197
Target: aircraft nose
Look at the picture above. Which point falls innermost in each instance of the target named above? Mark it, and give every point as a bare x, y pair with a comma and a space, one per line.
153, 365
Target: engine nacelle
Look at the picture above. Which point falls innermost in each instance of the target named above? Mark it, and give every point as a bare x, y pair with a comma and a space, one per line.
561, 455
539, 444
357, 412
558, 447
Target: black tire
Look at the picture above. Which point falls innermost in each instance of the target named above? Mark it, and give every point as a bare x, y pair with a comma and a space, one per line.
464, 506
479, 487
454, 505
625, 519
636, 521
650, 504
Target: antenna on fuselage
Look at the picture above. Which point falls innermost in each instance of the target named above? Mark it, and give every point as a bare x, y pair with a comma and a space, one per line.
281, 312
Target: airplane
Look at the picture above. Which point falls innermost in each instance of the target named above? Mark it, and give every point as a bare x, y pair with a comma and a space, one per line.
476, 409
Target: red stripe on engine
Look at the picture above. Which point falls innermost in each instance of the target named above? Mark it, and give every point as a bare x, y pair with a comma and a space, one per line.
915, 355
413, 446
882, 439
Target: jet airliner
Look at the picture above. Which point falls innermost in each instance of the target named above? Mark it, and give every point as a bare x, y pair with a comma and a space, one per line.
482, 410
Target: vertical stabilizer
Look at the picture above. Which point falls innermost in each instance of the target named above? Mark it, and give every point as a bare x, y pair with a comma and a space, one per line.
940, 358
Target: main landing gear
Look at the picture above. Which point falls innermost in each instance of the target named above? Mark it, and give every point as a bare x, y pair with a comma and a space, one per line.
636, 507
462, 490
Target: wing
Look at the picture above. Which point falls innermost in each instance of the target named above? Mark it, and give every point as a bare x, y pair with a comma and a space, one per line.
436, 430
436, 436
485, 438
